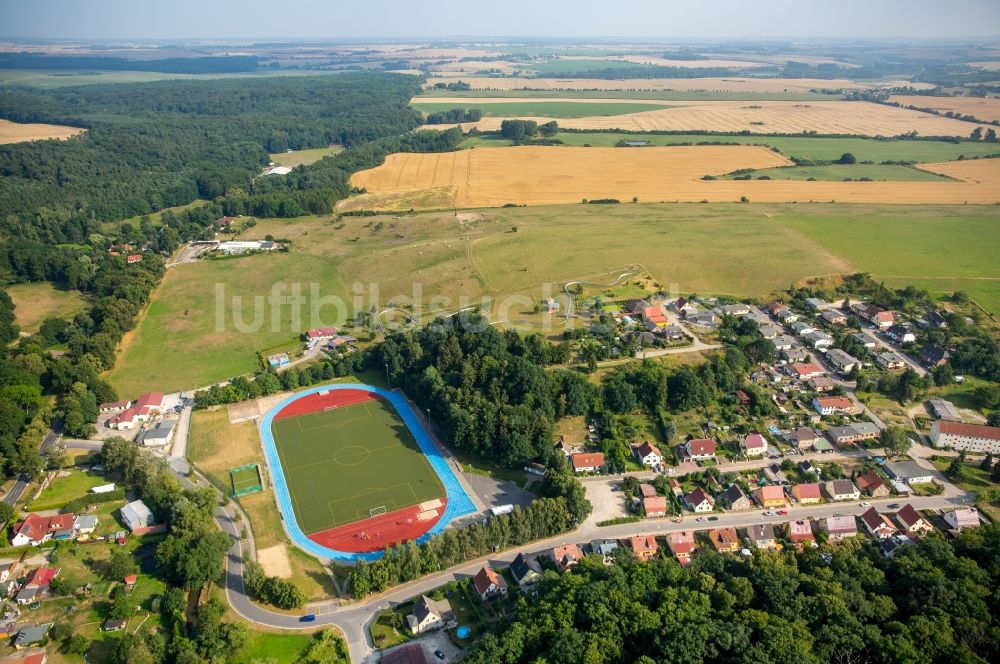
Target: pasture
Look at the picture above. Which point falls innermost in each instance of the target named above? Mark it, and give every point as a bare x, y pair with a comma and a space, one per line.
770, 117
340, 464
35, 302
304, 157
18, 132
569, 108
557, 175
841, 172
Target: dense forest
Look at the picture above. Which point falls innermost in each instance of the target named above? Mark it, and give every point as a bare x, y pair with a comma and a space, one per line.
211, 64
934, 602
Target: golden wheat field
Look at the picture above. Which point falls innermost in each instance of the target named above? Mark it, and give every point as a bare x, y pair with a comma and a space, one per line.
733, 84
984, 108
489, 177
763, 117
16, 132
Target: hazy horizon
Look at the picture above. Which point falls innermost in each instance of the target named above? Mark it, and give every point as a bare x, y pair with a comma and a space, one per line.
723, 20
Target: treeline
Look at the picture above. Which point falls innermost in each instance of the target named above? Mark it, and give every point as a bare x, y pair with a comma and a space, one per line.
565, 507
933, 603
521, 131
212, 64
157, 145
271, 589
454, 115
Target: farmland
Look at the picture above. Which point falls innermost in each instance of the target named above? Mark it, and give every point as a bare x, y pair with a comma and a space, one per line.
568, 108
554, 175
983, 108
16, 132
772, 117
301, 157
840, 172
35, 302
728, 84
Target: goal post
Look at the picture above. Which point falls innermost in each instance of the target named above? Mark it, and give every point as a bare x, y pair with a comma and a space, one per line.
375, 511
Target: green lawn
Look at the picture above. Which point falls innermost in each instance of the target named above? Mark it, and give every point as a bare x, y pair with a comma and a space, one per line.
275, 648
64, 489
339, 464
302, 157
35, 302
550, 109
838, 172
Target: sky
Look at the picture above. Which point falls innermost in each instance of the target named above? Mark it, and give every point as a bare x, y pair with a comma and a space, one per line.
353, 19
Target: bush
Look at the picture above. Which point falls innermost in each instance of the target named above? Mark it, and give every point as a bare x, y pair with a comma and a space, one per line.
620, 521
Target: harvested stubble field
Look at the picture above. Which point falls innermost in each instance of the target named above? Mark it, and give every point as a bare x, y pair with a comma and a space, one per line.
556, 108
553, 175
729, 84
984, 108
765, 117
17, 132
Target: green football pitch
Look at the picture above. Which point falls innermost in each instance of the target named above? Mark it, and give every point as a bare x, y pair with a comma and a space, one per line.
345, 464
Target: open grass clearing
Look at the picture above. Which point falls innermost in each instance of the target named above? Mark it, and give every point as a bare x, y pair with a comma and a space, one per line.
842, 172
18, 132
65, 489
542, 108
35, 302
293, 158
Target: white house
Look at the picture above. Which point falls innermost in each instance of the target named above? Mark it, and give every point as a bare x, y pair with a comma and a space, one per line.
754, 445
962, 518
648, 455
970, 437
429, 614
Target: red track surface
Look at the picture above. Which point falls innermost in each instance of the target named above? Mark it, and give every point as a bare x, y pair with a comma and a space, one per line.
378, 532
314, 403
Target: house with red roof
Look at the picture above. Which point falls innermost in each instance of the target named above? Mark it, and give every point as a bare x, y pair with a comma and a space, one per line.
800, 531
132, 259
808, 493
654, 317
699, 501
835, 406
587, 462
320, 333
643, 546
872, 484
698, 449
654, 506
41, 577
805, 370
566, 556
754, 445
144, 408
489, 583
682, 545
648, 454
911, 523
878, 525
771, 496
724, 540
35, 529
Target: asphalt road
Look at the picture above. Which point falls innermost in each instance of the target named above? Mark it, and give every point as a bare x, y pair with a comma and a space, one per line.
15, 492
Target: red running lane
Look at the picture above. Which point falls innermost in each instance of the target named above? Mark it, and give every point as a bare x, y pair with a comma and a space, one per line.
378, 532
314, 403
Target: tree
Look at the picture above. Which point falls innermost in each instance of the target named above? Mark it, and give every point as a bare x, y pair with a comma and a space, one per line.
76, 645
122, 564
121, 606
894, 441
977, 134
847, 158
991, 135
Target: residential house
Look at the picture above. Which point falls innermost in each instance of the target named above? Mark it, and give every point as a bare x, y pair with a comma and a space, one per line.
224, 222
35, 529
818, 339
891, 545
802, 327
698, 449
684, 306
643, 546
654, 317
774, 308
839, 527
821, 384
736, 499
945, 410
113, 406
834, 317
321, 333
132, 259
673, 333
911, 523
800, 531
960, 519
38, 657
815, 303
770, 496
795, 354
754, 445
114, 625
604, 547
787, 316
647, 490
587, 462
853, 433
85, 524
969, 437
775, 475
875, 315
699, 501
878, 525
865, 339
843, 362
30, 636
804, 371
563, 447
933, 355
725, 540
654, 506
890, 361
872, 484
139, 519
634, 307
7, 571
704, 318
130, 580
770, 330
910, 472
566, 556
144, 408
733, 310
648, 455
430, 614
159, 435
901, 334
841, 490
835, 406
526, 570
761, 535
783, 342
682, 545
489, 583
808, 493
410, 653
937, 319
805, 438
675, 488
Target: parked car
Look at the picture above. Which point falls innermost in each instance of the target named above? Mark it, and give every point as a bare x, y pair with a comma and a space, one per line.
309, 617
893, 506
866, 504
439, 654
769, 513
782, 512
700, 519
